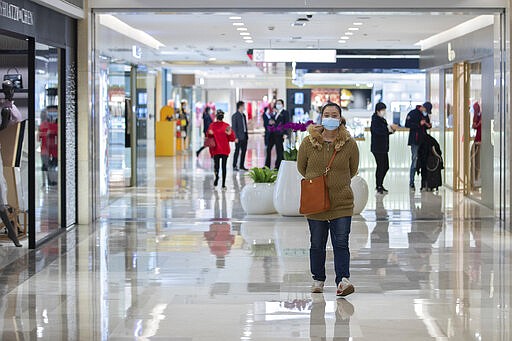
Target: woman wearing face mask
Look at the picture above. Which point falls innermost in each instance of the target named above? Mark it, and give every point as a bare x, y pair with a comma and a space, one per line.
223, 134
380, 130
329, 139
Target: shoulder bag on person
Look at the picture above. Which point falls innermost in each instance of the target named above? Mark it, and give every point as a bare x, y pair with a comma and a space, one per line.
314, 196
209, 141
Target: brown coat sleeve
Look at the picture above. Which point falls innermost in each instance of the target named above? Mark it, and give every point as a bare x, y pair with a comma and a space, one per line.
302, 158
354, 159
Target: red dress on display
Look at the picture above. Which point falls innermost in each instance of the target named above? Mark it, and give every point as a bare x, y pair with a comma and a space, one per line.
218, 131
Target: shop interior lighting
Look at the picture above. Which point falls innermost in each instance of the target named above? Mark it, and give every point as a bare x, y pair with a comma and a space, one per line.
463, 29
353, 28
235, 18
241, 29
288, 56
123, 28
238, 24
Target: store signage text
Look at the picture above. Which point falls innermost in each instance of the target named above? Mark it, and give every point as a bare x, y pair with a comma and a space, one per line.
16, 13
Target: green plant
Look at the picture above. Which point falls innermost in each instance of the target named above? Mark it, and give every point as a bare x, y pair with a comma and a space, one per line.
263, 175
291, 154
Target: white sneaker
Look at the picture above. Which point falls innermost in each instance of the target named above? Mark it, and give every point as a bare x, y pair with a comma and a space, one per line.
345, 288
317, 287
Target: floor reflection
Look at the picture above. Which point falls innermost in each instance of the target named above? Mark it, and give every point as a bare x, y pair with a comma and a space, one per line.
181, 261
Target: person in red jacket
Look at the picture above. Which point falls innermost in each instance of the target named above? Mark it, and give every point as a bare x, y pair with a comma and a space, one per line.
223, 134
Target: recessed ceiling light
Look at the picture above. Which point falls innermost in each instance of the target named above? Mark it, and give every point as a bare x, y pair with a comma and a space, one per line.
350, 28
245, 34
212, 59
238, 24
342, 41
249, 41
242, 29
247, 38
235, 18
357, 24
349, 33
344, 38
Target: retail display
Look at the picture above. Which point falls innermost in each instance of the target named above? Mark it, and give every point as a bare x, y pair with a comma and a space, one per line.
11, 137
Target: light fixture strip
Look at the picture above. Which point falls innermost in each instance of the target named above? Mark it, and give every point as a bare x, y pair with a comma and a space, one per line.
123, 28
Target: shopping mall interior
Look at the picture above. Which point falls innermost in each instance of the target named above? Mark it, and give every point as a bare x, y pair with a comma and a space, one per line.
125, 235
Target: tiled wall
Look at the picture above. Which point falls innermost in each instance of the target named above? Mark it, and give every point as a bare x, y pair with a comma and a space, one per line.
70, 140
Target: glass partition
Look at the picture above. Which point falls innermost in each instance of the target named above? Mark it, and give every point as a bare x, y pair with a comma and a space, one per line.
475, 109
448, 131
47, 152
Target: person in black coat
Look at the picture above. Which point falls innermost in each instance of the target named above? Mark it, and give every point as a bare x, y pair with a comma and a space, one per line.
207, 120
418, 121
276, 137
380, 130
239, 125
267, 116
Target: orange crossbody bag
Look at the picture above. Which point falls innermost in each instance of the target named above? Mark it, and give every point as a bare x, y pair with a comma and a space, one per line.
314, 195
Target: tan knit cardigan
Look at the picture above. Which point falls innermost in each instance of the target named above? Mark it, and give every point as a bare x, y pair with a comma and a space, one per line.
314, 155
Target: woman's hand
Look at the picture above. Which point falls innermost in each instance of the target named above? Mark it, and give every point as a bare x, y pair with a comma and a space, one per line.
210, 132
229, 130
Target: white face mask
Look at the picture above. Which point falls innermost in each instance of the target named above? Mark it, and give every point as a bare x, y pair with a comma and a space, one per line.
381, 113
279, 106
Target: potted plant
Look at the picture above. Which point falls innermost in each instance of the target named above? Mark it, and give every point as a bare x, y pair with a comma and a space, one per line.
287, 189
257, 198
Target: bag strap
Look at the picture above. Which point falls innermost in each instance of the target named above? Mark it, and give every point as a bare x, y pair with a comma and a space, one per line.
328, 168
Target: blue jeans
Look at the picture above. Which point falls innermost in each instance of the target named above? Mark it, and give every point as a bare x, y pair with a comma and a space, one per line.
414, 152
340, 231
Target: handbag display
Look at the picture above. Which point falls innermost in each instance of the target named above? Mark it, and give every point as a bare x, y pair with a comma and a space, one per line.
15, 78
209, 141
314, 196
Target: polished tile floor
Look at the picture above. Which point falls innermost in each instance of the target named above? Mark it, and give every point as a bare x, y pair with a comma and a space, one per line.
176, 260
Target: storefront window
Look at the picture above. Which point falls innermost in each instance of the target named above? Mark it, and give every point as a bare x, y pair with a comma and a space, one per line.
475, 110
448, 121
434, 98
47, 122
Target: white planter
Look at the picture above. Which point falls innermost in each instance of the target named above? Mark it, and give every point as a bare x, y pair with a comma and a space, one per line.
360, 190
287, 190
258, 199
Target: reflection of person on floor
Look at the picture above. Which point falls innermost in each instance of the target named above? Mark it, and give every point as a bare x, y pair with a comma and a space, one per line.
317, 325
475, 148
223, 134
220, 240
42, 137
9, 115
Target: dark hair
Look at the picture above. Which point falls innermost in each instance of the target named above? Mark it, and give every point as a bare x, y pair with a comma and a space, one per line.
280, 100
220, 115
239, 104
331, 104
380, 106
207, 110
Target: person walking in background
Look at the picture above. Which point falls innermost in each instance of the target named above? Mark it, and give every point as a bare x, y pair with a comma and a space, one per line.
267, 116
223, 134
276, 136
184, 121
239, 121
325, 141
418, 122
207, 120
380, 130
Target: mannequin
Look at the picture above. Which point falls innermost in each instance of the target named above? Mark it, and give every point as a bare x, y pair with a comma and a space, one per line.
9, 116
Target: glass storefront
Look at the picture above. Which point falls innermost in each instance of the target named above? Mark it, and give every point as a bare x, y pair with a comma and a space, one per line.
47, 137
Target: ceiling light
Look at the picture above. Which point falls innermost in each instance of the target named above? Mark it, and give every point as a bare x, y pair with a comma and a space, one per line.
349, 33
242, 29
298, 24
342, 41
247, 38
235, 18
288, 56
120, 26
357, 24
344, 38
245, 34
353, 29
238, 24
249, 41
212, 59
